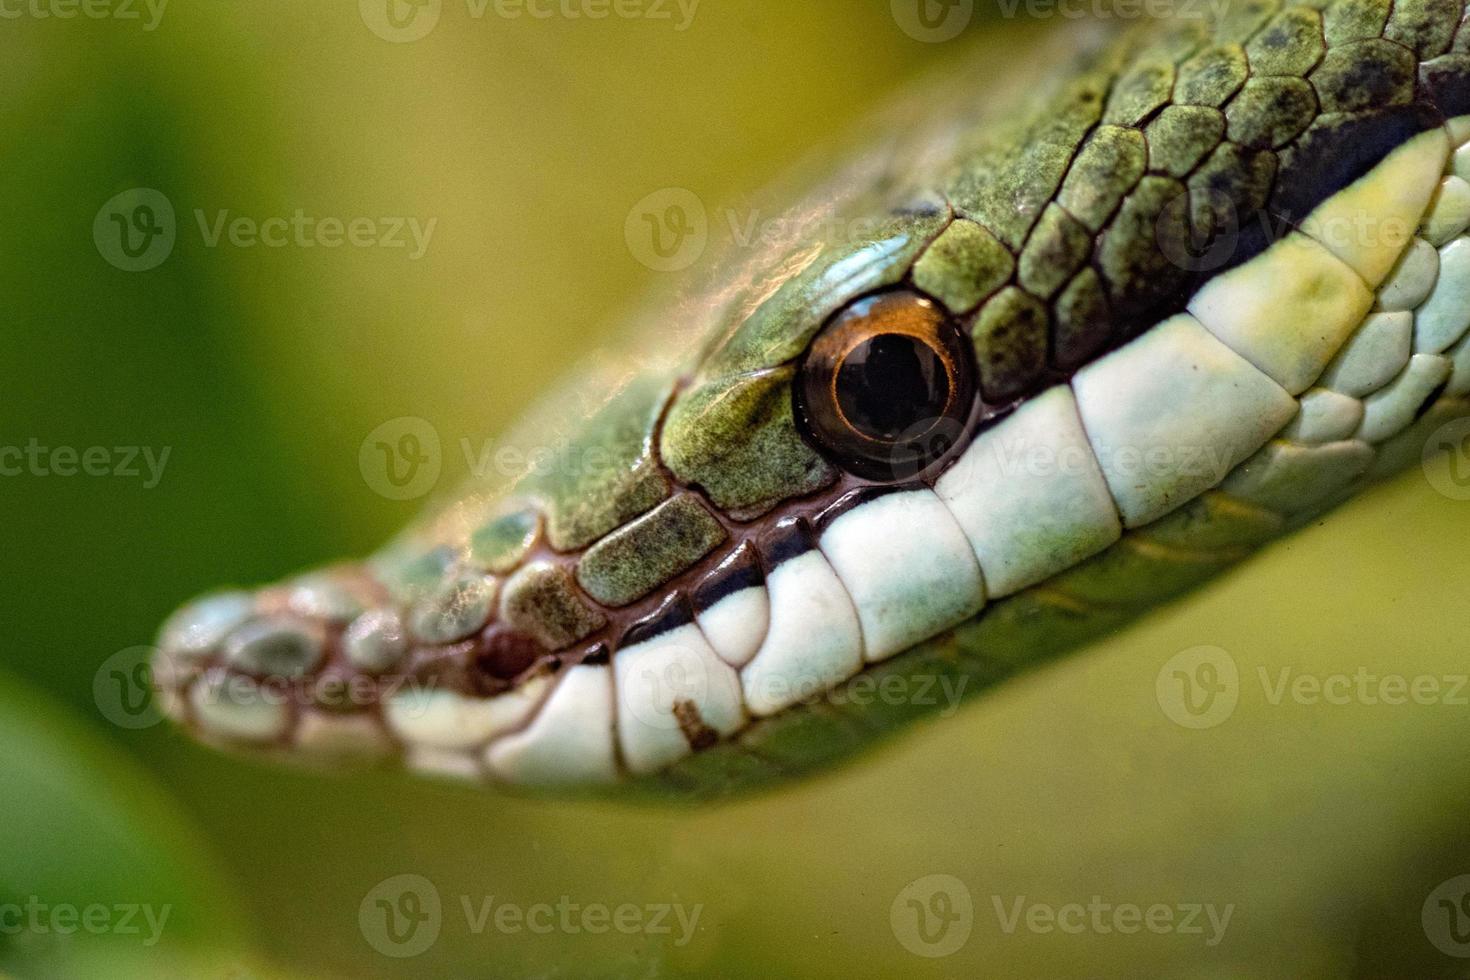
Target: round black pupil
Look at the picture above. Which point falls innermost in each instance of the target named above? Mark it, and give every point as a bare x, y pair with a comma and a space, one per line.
891, 383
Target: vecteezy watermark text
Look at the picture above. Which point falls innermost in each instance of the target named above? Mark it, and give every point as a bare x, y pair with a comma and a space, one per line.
405, 21
126, 462
934, 916
36, 917
404, 916
148, 13
137, 230
1200, 688
1103, 918
307, 231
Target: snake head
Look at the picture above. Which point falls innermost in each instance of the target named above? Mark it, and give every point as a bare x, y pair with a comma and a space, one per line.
1018, 373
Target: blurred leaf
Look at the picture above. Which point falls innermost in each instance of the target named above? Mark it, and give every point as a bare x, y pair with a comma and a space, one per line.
95, 856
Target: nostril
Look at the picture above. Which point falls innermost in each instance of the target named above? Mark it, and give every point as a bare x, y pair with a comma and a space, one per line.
507, 654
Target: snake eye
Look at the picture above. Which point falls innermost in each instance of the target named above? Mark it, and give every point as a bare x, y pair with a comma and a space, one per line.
887, 387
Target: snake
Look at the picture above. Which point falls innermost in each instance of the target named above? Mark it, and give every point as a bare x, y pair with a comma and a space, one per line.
1045, 353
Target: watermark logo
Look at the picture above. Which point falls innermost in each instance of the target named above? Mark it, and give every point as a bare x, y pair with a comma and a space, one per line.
122, 689
147, 13
402, 458
401, 917
933, 916
668, 230
404, 916
1446, 917
400, 21
135, 231
932, 21
663, 691
1447, 460
1198, 687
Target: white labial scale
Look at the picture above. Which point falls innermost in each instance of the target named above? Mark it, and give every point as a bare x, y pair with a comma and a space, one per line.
1172, 413
1412, 279
736, 625
814, 641
334, 736
1392, 410
1290, 479
1407, 449
908, 568
655, 676
446, 764
1460, 162
1375, 355
234, 707
570, 741
1445, 315
1325, 416
196, 630
1368, 223
1460, 377
1030, 495
444, 719
1288, 311
1449, 211
1458, 129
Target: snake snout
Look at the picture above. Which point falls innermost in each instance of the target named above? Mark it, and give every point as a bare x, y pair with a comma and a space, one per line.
305, 665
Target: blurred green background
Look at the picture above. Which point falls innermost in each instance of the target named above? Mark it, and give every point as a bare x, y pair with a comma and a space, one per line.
261, 370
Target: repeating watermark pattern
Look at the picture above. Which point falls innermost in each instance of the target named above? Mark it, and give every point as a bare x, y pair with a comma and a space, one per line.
566, 917
146, 14
668, 230
1102, 917
131, 919
137, 230
333, 692
122, 689
129, 687
653, 694
933, 916
1446, 917
1019, 456
1447, 460
406, 21
1198, 687
942, 691
671, 229
1201, 687
401, 21
932, 21
1113, 9
402, 458
404, 916
1362, 686
301, 230
34, 459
